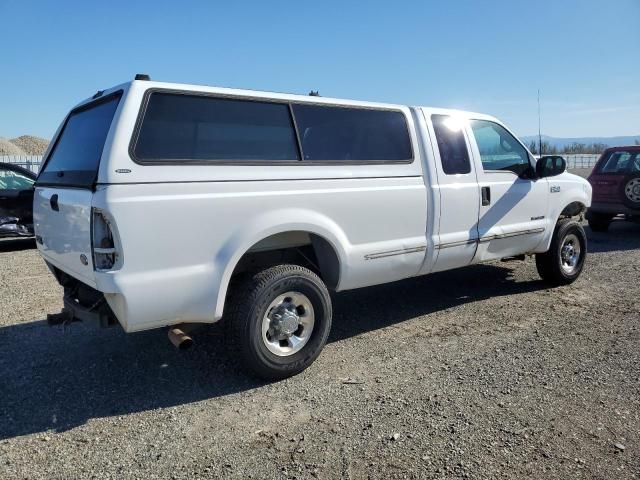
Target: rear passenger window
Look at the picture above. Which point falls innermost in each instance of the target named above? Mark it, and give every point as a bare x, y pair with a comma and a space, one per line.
352, 134
618, 162
179, 127
451, 144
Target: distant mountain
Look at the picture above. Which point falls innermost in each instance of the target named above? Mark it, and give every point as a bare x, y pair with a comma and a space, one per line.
561, 143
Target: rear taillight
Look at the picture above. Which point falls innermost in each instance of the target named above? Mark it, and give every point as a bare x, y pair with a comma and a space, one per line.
105, 254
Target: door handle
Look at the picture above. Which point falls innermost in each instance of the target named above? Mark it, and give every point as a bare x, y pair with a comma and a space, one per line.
53, 201
486, 196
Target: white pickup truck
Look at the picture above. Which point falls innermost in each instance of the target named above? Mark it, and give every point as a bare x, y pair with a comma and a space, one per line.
167, 205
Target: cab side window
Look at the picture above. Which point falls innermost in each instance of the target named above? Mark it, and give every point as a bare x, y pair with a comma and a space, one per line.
451, 144
499, 150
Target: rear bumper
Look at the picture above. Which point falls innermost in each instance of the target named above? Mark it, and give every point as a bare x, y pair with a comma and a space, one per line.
612, 208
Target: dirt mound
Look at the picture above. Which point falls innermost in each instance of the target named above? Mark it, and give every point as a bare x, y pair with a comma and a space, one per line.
31, 145
24, 145
8, 148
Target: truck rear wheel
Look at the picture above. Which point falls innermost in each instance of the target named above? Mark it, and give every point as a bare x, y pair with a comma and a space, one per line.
563, 262
279, 320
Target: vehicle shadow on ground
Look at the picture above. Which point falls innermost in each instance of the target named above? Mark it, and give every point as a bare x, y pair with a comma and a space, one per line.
621, 236
16, 244
365, 310
59, 378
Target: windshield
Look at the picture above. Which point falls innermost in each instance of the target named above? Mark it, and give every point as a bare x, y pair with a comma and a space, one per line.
75, 157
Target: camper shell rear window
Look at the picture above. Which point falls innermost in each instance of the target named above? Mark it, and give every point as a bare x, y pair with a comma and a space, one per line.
187, 128
75, 156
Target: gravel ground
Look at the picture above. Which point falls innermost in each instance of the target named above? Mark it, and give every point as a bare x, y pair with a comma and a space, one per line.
477, 373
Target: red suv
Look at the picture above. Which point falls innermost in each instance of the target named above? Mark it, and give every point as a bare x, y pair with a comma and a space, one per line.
616, 187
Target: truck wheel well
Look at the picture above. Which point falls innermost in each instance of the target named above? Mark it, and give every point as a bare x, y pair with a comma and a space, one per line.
298, 248
574, 209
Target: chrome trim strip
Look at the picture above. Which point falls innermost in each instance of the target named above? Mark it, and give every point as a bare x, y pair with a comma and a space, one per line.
509, 235
403, 251
487, 238
391, 253
456, 244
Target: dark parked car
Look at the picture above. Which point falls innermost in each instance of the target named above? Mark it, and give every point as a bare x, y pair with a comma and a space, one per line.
16, 201
616, 187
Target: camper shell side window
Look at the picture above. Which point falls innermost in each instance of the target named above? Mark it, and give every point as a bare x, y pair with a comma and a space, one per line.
176, 127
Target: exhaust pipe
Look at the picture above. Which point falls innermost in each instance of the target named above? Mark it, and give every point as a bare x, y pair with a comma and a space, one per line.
179, 338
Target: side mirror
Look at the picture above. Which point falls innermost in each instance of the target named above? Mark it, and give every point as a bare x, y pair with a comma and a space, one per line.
550, 166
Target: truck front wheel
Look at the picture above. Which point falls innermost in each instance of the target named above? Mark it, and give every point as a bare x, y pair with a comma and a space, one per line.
563, 262
279, 320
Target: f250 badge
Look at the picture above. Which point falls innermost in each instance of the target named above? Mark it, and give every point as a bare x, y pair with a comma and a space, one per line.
555, 188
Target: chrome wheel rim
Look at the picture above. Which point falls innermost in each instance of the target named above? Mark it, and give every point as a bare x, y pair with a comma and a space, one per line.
632, 190
288, 324
570, 253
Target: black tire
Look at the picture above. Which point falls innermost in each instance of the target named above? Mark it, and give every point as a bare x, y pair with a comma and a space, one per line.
599, 222
247, 307
633, 178
550, 263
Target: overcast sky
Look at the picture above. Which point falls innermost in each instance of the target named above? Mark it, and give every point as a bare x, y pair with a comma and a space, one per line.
489, 56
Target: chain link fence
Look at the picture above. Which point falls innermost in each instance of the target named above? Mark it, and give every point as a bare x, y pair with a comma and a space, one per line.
581, 161
30, 162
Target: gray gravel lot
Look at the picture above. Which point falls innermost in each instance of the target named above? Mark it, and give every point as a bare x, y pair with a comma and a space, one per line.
477, 373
